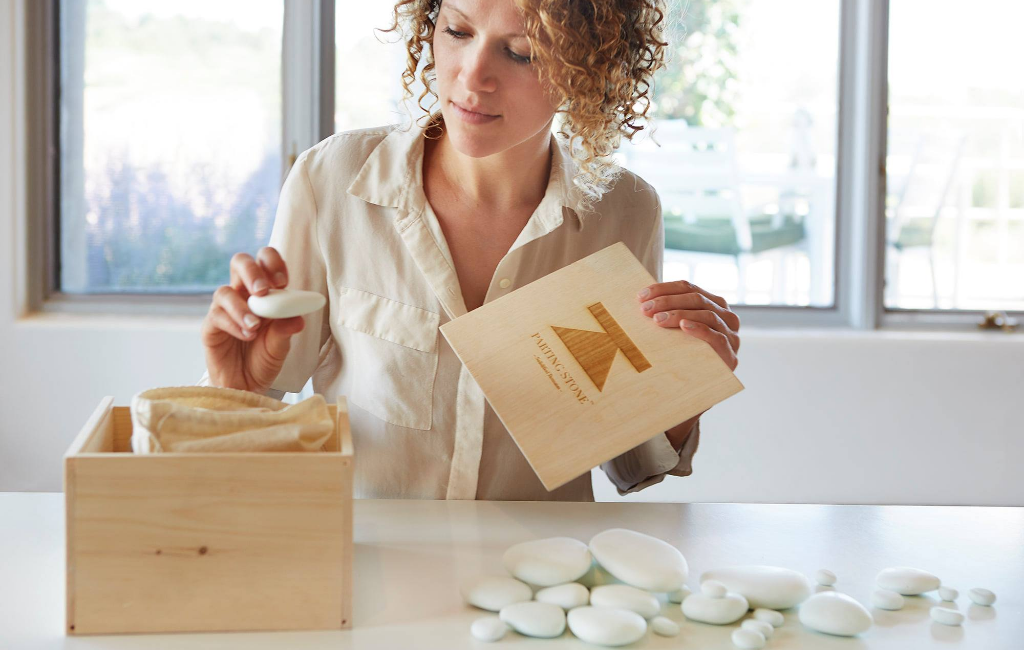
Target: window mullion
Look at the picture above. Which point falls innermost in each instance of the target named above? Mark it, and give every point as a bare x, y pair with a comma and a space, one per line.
300, 71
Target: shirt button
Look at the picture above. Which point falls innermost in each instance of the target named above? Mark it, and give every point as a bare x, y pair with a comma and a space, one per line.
505, 283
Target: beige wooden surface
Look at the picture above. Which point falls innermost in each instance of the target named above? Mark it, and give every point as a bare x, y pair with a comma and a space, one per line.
576, 372
191, 542
411, 556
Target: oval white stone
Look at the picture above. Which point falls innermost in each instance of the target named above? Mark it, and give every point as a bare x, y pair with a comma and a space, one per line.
565, 596
488, 628
548, 562
493, 592
825, 577
717, 611
713, 589
835, 613
948, 593
886, 599
626, 597
747, 639
542, 620
946, 616
907, 581
664, 626
285, 303
640, 560
765, 629
767, 587
770, 616
981, 596
606, 626
679, 595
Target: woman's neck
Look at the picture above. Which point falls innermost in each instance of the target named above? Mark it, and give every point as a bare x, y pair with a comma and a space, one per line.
501, 182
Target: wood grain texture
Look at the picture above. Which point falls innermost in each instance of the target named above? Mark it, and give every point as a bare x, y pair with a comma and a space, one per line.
206, 542
558, 382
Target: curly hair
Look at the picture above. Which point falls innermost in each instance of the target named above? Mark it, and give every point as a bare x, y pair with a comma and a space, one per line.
597, 57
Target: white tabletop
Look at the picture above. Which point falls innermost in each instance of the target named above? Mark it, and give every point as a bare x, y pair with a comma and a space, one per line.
411, 557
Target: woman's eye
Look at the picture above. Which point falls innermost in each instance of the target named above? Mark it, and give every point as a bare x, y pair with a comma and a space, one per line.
454, 34
518, 58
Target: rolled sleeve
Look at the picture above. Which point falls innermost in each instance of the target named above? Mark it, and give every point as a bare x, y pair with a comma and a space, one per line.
650, 462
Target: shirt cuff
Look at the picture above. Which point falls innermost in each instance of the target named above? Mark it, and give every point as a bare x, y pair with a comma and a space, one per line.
648, 463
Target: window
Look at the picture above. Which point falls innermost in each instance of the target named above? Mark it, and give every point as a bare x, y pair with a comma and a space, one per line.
955, 162
773, 119
170, 138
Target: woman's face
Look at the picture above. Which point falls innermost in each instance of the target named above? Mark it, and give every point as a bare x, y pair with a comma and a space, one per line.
488, 89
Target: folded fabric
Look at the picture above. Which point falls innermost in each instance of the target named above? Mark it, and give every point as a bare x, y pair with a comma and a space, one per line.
211, 419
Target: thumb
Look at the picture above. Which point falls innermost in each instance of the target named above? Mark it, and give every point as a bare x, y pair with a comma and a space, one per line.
279, 335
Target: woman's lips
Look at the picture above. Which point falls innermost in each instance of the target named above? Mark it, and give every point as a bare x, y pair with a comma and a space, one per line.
473, 117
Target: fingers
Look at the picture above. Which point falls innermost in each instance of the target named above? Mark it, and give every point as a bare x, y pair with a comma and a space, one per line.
718, 341
237, 308
273, 266
680, 286
279, 333
676, 317
219, 320
691, 300
248, 277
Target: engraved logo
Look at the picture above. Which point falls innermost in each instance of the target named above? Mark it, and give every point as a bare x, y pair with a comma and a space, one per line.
595, 351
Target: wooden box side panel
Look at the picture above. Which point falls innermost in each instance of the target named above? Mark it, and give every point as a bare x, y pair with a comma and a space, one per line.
174, 543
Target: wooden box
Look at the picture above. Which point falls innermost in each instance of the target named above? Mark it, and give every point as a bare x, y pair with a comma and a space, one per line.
206, 542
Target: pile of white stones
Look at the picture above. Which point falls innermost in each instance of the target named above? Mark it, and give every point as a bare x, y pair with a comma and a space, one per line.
606, 593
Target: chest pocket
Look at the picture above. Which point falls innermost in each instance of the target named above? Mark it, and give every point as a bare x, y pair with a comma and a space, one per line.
392, 357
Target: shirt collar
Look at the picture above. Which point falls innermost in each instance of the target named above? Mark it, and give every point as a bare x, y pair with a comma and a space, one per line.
392, 176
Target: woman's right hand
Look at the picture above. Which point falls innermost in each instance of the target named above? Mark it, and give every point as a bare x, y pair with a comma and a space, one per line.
244, 351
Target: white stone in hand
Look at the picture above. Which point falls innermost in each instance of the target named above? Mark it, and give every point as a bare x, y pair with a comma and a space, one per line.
285, 303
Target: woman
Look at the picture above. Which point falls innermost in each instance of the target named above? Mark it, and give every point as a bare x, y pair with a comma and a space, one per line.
402, 230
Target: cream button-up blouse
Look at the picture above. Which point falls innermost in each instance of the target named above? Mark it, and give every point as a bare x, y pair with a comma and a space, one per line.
353, 223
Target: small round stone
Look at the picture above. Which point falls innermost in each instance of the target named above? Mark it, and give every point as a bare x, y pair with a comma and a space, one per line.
946, 616
770, 616
747, 639
664, 626
542, 620
606, 626
713, 589
636, 600
907, 581
488, 628
496, 592
825, 577
981, 596
948, 593
886, 599
679, 595
765, 629
566, 596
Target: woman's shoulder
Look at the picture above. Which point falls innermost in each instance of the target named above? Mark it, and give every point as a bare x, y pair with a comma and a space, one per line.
343, 154
631, 195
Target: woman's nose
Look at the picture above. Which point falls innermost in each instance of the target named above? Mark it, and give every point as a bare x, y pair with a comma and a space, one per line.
477, 73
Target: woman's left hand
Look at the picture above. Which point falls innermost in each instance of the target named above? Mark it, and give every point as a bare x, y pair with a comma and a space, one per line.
697, 312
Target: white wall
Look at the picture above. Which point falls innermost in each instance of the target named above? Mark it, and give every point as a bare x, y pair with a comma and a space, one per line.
826, 417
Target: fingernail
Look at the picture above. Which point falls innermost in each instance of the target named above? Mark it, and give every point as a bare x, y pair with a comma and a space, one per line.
251, 321
643, 294
246, 333
688, 325
649, 305
279, 279
259, 285
660, 316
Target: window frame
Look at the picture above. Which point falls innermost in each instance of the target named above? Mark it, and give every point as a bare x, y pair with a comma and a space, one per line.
308, 67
